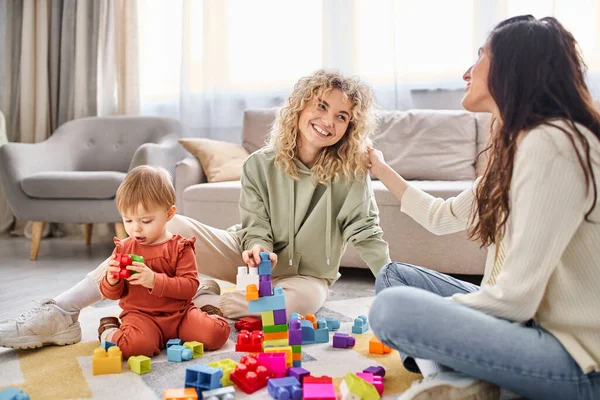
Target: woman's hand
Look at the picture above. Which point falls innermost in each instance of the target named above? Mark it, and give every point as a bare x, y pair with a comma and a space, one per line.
375, 161
252, 257
113, 268
145, 276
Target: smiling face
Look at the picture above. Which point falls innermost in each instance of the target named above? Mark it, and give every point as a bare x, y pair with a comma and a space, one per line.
324, 121
148, 226
477, 96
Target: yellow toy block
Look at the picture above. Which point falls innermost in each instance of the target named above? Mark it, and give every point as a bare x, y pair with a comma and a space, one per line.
227, 365
282, 349
353, 387
140, 364
275, 343
107, 362
197, 348
180, 394
252, 292
268, 319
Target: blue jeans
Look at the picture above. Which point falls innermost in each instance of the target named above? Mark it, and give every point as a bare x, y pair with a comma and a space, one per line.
411, 315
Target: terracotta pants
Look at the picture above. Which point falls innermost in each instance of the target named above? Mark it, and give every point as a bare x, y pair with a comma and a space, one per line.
218, 255
143, 334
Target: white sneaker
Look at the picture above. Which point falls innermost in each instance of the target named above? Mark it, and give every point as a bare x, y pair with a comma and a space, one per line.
45, 324
451, 386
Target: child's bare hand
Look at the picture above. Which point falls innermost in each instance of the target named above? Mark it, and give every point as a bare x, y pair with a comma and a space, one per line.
113, 268
145, 276
252, 257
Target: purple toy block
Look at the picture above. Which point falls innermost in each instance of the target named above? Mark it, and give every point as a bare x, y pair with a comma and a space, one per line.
265, 288
285, 388
376, 370
280, 316
295, 333
265, 278
298, 373
343, 341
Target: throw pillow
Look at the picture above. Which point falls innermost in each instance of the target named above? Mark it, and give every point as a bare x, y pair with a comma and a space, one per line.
221, 161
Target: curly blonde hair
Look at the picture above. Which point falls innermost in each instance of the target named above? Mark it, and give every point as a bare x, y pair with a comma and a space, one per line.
345, 158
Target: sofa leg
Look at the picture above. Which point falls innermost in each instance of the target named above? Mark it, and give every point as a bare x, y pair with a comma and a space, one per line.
87, 233
120, 229
36, 236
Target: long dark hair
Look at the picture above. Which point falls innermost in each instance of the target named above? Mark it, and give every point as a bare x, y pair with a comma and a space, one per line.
536, 76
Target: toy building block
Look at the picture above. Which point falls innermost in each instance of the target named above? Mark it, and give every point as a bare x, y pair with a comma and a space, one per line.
246, 277
360, 324
355, 388
275, 343
227, 366
265, 285
252, 292
197, 348
376, 370
320, 388
296, 316
274, 363
267, 318
249, 323
321, 333
276, 336
312, 319
224, 393
250, 342
180, 394
177, 353
124, 261
376, 347
282, 349
265, 267
174, 342
203, 377
375, 380
333, 324
280, 316
295, 332
308, 332
343, 341
13, 394
107, 345
269, 303
249, 376
275, 328
298, 373
140, 364
285, 388
107, 361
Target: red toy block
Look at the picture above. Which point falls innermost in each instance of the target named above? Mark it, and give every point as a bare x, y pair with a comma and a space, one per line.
124, 261
250, 342
317, 379
249, 376
249, 323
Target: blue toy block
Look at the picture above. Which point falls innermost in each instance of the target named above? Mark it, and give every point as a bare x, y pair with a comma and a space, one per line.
333, 324
107, 345
295, 332
177, 353
174, 342
224, 393
202, 377
13, 394
360, 324
295, 315
322, 333
269, 303
265, 267
285, 388
297, 363
308, 332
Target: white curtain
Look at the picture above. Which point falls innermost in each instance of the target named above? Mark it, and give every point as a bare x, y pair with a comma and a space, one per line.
204, 62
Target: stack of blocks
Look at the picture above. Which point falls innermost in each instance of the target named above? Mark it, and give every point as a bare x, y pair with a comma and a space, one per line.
270, 302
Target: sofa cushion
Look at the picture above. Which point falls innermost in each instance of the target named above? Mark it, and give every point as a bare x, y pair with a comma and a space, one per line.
73, 184
221, 161
257, 126
429, 145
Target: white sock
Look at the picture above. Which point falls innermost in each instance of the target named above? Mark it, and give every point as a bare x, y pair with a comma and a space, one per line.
83, 294
104, 336
204, 299
428, 367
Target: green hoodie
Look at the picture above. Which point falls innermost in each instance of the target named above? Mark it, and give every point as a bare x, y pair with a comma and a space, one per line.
307, 226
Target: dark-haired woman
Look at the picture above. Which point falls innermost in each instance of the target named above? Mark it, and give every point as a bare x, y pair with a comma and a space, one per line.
533, 327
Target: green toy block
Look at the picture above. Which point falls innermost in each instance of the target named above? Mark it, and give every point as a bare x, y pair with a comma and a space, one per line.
297, 348
353, 385
197, 348
228, 366
140, 364
275, 328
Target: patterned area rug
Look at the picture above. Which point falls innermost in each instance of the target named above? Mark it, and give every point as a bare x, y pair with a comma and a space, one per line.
66, 372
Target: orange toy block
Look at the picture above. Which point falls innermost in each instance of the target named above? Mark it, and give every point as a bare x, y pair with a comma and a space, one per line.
180, 394
297, 356
276, 335
311, 318
251, 292
282, 349
376, 347
107, 362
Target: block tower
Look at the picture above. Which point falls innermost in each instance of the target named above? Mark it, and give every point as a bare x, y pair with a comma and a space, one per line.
270, 302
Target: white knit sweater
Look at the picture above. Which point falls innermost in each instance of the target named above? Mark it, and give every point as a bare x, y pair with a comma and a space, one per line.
547, 266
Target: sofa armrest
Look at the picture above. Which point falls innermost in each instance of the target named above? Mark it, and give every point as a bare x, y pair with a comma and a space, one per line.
164, 154
188, 172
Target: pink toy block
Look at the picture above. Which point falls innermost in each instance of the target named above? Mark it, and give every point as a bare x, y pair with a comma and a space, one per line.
374, 380
376, 370
318, 388
343, 341
280, 316
295, 332
275, 363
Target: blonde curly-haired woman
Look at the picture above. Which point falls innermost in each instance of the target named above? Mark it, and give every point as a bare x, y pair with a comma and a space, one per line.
304, 197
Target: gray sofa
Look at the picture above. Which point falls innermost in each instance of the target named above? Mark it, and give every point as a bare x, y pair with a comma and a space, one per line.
435, 150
